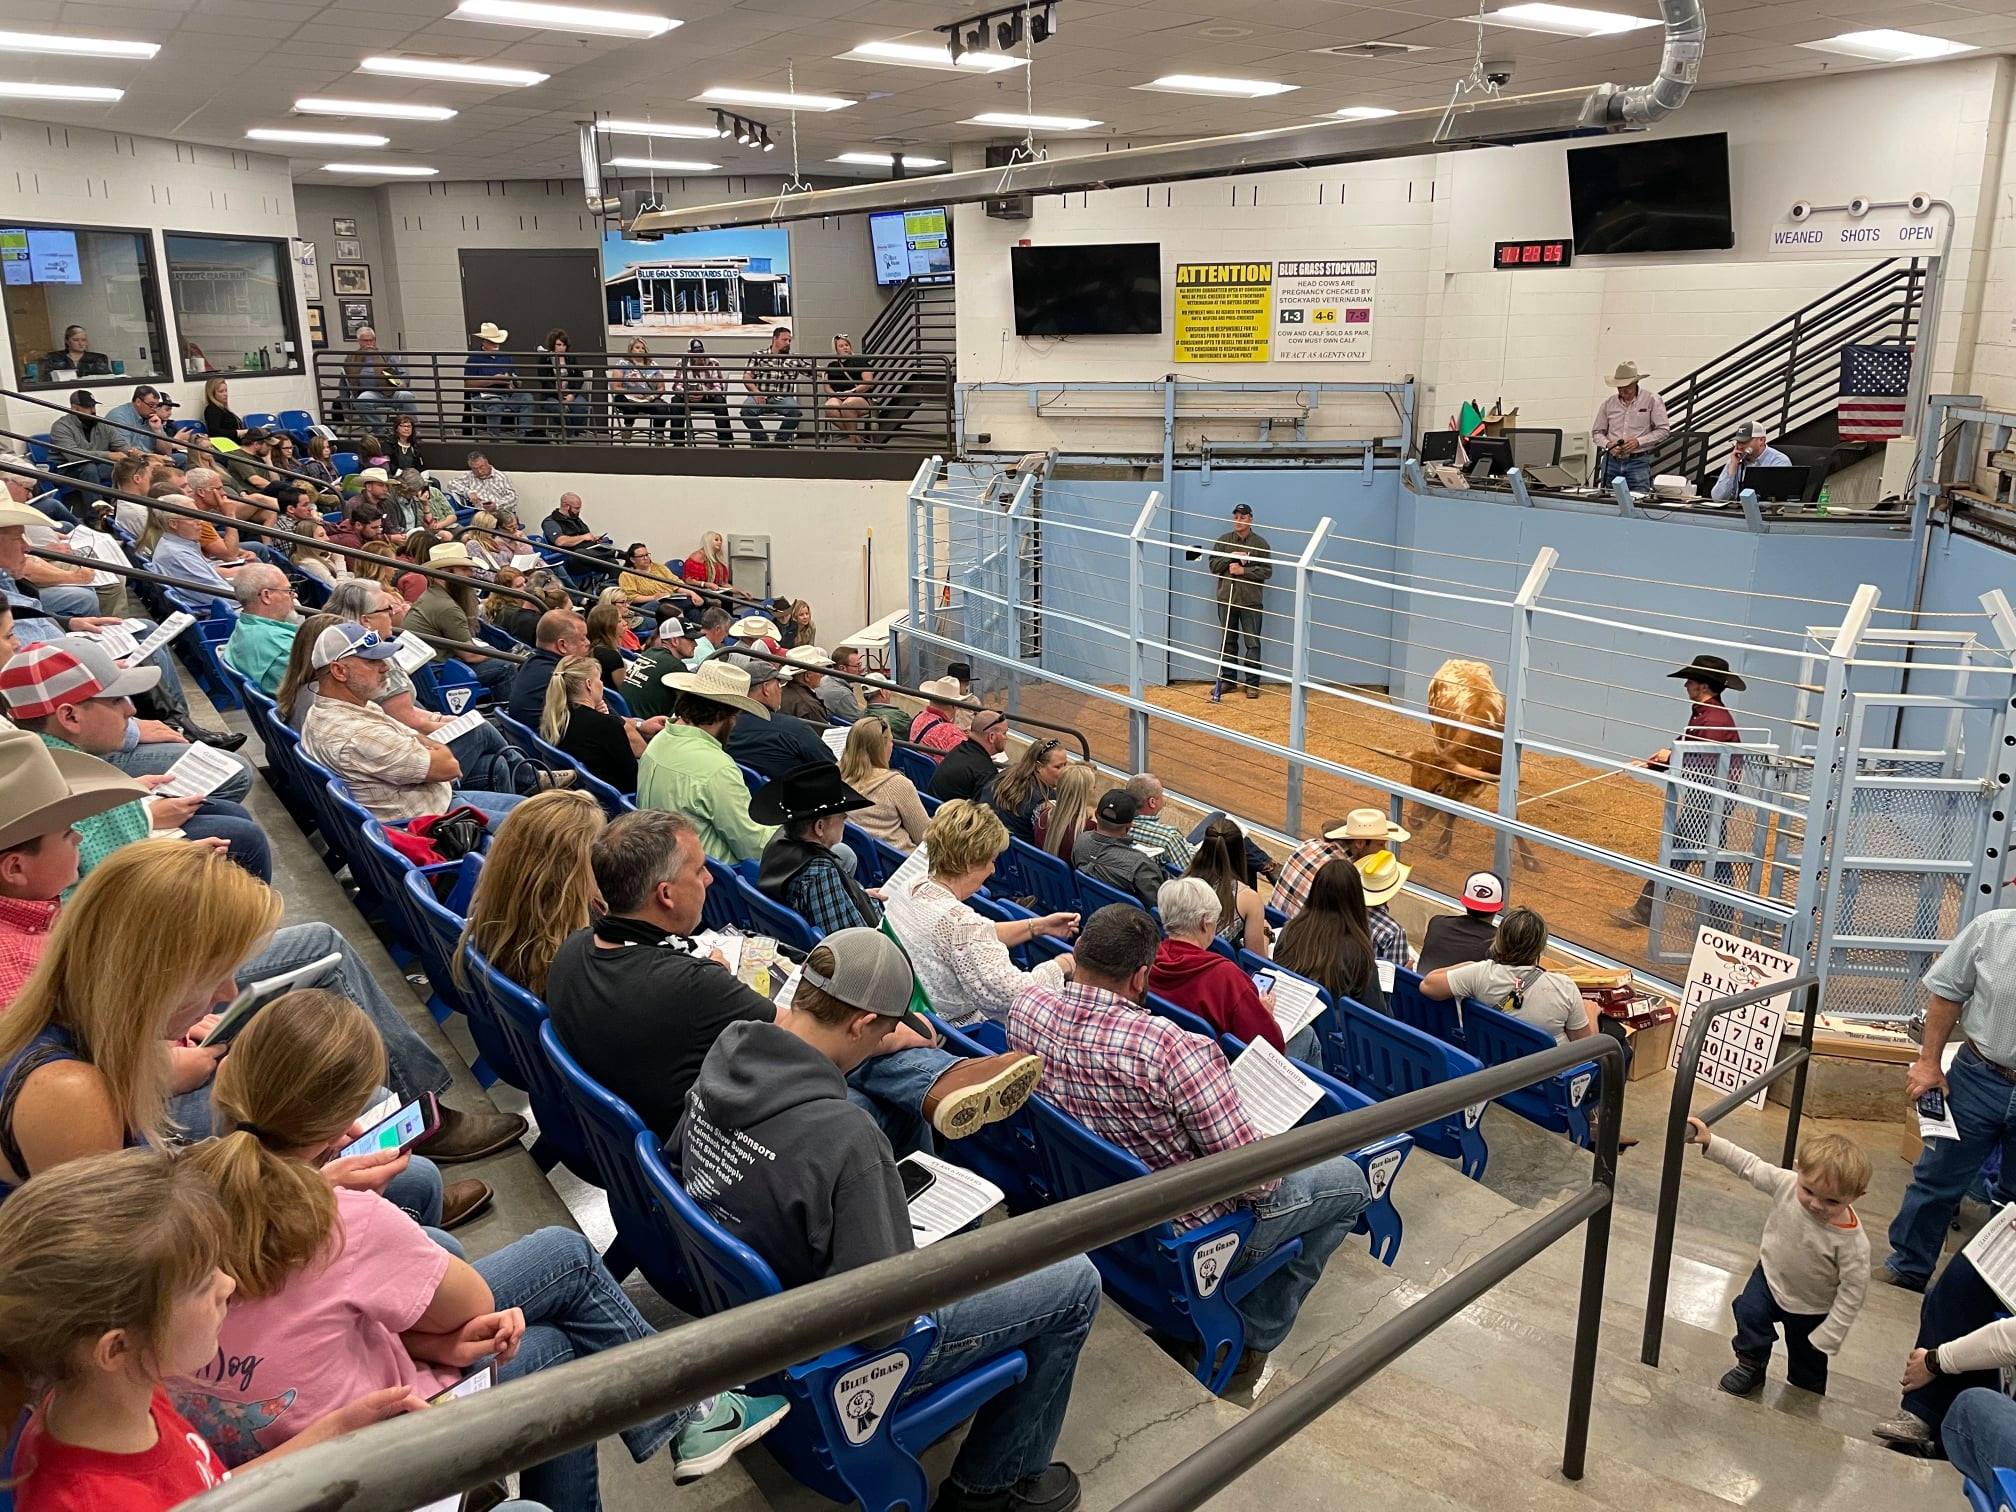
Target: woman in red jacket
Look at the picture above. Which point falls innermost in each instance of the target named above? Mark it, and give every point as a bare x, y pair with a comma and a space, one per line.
709, 565
1192, 975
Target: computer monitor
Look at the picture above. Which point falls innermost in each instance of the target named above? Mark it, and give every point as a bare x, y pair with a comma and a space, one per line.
1778, 484
1438, 446
1492, 449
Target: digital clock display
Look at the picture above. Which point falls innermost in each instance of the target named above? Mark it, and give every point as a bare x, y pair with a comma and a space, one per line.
1534, 254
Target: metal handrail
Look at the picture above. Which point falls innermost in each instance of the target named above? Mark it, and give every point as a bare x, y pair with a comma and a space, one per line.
1797, 1061
413, 1460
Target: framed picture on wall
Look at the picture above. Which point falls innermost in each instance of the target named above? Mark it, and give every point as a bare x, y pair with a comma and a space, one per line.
348, 279
344, 227
311, 277
317, 336
348, 249
356, 315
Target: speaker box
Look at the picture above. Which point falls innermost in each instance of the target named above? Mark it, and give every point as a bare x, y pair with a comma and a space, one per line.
1010, 207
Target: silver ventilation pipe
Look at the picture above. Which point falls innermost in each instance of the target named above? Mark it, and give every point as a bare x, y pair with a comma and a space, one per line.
1679, 67
591, 173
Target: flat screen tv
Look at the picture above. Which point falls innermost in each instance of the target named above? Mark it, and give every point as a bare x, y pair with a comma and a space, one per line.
1659, 194
1108, 289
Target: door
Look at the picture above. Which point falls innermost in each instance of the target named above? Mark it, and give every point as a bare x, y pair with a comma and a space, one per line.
530, 290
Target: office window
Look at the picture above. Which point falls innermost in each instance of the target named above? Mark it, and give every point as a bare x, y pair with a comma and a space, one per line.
234, 305
101, 281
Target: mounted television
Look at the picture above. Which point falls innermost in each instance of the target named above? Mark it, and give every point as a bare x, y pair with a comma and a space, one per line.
1656, 194
1108, 289
910, 244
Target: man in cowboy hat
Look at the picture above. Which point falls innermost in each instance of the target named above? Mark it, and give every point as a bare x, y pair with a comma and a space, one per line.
490, 378
1357, 835
801, 684
1751, 449
1629, 426
1706, 678
1383, 875
374, 487
772, 745
800, 869
1242, 562
449, 613
937, 729
686, 768
760, 631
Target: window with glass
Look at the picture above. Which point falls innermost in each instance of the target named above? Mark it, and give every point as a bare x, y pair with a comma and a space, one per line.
233, 299
81, 304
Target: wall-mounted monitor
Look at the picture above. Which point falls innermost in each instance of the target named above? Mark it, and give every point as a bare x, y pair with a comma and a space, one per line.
1107, 289
910, 244
1653, 194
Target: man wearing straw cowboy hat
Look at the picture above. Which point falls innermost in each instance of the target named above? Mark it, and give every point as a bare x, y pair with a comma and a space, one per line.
1706, 678
1629, 427
450, 613
1383, 875
490, 378
688, 770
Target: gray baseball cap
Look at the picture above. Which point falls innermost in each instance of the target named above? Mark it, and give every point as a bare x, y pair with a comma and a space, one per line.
759, 671
871, 973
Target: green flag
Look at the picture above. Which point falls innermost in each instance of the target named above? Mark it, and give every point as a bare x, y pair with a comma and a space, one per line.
1469, 419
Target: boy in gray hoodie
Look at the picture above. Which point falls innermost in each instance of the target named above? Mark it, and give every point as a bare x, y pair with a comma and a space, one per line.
773, 1150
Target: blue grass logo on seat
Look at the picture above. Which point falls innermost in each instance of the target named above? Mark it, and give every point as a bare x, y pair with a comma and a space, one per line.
863, 1396
1210, 1262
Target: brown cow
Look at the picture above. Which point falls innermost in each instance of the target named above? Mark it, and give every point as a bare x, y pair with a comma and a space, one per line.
1462, 762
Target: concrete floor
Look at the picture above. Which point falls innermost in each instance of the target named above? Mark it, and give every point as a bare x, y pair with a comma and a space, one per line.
1472, 1417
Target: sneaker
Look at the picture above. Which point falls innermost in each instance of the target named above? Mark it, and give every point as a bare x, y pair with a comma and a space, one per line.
976, 1092
706, 1444
1052, 1489
1743, 1379
1907, 1433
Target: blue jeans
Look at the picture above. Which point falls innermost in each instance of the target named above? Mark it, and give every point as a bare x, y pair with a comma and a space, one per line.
1957, 1303
494, 805
788, 411
378, 407
1047, 1314
1306, 1046
1320, 1206
1984, 1110
152, 758
1760, 1317
245, 842
573, 1309
67, 600
1980, 1435
1635, 470
503, 412
494, 673
480, 752
891, 1089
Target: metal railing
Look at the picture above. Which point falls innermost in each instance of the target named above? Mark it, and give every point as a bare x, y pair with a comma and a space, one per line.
909, 396
1796, 1062
411, 1461
920, 318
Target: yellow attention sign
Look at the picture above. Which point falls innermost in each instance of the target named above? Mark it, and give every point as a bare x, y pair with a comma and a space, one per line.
1224, 311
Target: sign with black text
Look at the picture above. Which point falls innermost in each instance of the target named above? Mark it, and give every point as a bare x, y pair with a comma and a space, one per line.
1742, 1045
1323, 310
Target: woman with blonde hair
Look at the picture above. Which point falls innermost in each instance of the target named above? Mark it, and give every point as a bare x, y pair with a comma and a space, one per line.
709, 565
576, 719
536, 887
219, 419
961, 958
628, 616
297, 684
897, 817
1029, 780
1068, 814
797, 625
340, 1294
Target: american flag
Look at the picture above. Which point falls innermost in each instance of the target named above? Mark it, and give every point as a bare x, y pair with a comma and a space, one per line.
1874, 381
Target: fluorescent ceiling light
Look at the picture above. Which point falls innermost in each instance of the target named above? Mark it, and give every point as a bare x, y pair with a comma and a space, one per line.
780, 99
657, 129
326, 138
923, 55
663, 165
1364, 112
574, 18
385, 170
75, 47
1207, 84
1888, 46
451, 71
887, 160
1031, 122
1566, 20
94, 92
382, 109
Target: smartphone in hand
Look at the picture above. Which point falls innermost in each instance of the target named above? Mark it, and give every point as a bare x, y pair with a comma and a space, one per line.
399, 1131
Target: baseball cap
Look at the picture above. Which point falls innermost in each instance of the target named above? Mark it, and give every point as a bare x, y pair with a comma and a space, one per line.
1243, 509
255, 434
84, 399
168, 401
1750, 430
339, 641
68, 670
871, 973
760, 672
1484, 893
696, 345
1118, 807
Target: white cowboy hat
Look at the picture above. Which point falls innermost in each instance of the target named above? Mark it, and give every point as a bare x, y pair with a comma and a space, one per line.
1627, 373
717, 683
944, 690
373, 475
814, 657
20, 514
755, 627
1368, 824
491, 331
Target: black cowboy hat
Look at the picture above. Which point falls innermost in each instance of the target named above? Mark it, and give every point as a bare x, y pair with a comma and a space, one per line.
1712, 670
811, 792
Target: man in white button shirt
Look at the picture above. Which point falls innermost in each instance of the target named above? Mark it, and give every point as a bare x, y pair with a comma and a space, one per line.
1628, 428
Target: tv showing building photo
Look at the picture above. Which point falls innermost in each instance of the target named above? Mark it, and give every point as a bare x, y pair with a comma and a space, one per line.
699, 282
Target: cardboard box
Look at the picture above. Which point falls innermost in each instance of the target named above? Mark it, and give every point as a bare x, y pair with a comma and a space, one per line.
1650, 1048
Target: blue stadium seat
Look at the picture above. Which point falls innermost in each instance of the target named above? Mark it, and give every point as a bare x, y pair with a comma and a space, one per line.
1383, 1058
1440, 1017
723, 907
201, 644
529, 740
1002, 911
2001, 1499
346, 463
1182, 1018
299, 424
1004, 1151
1094, 894
774, 919
869, 869
914, 764
1024, 871
618, 704
438, 948
815, 1442
258, 420
520, 1016
609, 1130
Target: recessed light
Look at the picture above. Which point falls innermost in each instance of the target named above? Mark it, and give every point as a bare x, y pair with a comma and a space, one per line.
887, 160
664, 165
382, 109
657, 129
93, 92
326, 138
1224, 33
574, 18
1207, 84
1565, 20
1031, 122
780, 99
388, 170
75, 47
922, 55
1885, 46
1364, 112
451, 71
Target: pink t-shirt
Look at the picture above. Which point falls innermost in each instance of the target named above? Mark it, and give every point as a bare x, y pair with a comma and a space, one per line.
326, 1338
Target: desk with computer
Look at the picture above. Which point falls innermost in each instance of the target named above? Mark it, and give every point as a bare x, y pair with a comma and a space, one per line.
1490, 458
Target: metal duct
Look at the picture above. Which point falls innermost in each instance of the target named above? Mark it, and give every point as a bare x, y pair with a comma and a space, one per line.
1488, 122
591, 172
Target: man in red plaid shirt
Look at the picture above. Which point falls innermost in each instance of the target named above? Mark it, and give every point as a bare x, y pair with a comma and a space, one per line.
1167, 1096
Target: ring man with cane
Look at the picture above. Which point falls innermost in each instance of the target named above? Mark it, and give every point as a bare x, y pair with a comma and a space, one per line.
1242, 561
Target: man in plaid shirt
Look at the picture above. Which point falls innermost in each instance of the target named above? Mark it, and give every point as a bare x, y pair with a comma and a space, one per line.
1167, 1096
1149, 829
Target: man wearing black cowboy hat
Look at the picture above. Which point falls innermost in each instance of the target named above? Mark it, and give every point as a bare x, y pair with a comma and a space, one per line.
1706, 679
799, 868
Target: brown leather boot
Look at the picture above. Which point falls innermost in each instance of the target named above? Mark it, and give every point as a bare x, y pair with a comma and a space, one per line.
974, 1093
463, 1200
470, 1136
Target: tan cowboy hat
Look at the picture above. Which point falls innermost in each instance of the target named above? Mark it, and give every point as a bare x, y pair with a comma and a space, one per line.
451, 554
1627, 373
491, 331
717, 682
20, 514
804, 659
755, 627
946, 690
1383, 875
45, 791
1368, 824
373, 475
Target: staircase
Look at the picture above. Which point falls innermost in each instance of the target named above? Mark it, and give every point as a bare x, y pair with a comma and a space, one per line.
914, 342
1788, 374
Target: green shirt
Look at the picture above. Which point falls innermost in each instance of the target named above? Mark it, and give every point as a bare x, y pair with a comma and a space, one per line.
686, 770
259, 649
102, 834
642, 687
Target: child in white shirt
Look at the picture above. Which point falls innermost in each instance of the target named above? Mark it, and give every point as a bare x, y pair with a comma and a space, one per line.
1813, 1267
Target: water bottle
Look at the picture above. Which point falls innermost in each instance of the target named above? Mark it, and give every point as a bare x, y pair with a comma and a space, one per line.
1820, 505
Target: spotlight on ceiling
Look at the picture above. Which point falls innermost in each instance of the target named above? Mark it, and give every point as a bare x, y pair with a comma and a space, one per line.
1009, 30
1043, 24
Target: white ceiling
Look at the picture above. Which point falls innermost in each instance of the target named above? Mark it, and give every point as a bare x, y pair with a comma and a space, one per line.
226, 65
